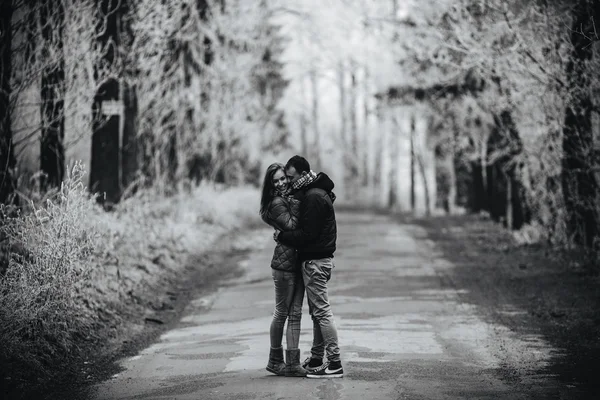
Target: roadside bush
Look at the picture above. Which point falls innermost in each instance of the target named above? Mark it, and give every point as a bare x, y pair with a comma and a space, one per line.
182, 221
76, 273
41, 314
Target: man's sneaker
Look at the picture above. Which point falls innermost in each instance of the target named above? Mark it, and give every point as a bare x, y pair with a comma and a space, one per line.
327, 370
311, 364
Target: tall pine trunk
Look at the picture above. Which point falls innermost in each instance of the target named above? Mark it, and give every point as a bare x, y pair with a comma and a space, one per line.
394, 144
343, 121
208, 56
343, 100
353, 103
7, 156
131, 146
412, 164
383, 163
423, 173
451, 164
303, 118
315, 115
105, 163
579, 185
365, 173
52, 152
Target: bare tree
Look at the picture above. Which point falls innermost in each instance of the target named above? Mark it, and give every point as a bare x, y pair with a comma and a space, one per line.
208, 86
50, 83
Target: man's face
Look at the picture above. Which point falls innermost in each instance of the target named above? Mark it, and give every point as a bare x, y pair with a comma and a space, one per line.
292, 175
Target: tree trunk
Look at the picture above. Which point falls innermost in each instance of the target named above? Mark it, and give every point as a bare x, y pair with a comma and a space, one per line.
105, 157
509, 203
451, 200
205, 105
412, 164
343, 94
303, 118
378, 146
477, 201
315, 115
484, 174
105, 164
353, 165
423, 172
52, 153
131, 142
303, 138
131, 145
383, 159
579, 185
365, 173
452, 185
7, 155
343, 122
393, 170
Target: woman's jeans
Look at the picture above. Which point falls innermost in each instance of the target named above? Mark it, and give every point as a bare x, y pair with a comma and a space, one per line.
289, 294
316, 274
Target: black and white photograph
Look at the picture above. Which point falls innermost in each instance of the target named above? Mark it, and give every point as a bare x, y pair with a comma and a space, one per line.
299, 199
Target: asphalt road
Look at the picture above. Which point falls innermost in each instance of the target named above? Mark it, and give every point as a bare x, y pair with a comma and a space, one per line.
403, 331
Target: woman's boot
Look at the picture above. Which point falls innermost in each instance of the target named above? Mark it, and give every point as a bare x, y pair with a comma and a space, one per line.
276, 364
292, 364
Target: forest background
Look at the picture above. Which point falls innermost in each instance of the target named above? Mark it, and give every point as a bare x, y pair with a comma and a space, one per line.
172, 110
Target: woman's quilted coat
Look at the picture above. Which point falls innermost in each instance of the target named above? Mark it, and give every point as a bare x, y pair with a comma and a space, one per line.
283, 214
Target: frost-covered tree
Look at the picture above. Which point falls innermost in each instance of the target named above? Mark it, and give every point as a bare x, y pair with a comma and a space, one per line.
209, 84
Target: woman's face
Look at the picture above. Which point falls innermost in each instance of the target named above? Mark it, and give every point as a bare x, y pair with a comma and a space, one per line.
280, 181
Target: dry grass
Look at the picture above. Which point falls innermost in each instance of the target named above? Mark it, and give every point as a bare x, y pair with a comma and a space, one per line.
78, 268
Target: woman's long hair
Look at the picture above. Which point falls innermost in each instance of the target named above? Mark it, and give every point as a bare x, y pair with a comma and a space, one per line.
267, 188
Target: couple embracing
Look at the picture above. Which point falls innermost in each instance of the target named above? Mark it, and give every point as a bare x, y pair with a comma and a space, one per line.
298, 203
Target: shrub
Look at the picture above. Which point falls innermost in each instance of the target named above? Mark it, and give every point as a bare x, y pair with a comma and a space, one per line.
41, 311
74, 272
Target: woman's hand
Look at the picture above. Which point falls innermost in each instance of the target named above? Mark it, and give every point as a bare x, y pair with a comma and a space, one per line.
276, 235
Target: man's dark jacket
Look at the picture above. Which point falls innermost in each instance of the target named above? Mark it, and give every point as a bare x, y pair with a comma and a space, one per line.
317, 232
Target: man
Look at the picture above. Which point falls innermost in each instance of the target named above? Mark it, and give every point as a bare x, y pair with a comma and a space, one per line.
315, 240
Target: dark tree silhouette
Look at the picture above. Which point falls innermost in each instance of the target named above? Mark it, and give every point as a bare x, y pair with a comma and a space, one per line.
504, 197
104, 164
130, 142
52, 154
7, 157
115, 147
579, 185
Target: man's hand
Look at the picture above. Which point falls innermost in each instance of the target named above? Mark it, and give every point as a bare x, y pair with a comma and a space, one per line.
276, 235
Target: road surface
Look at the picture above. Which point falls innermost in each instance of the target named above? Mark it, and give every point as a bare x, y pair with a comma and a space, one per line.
403, 332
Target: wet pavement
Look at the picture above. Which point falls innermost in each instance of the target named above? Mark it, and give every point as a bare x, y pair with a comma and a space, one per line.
403, 332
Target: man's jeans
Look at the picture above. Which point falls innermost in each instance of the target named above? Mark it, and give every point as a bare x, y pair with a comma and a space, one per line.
289, 294
316, 274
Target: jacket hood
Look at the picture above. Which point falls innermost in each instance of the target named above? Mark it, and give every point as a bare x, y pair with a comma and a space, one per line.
323, 181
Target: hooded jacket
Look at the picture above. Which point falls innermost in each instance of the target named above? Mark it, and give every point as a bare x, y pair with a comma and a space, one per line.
316, 235
283, 214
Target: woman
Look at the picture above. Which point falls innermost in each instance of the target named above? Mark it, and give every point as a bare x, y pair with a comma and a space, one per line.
280, 210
